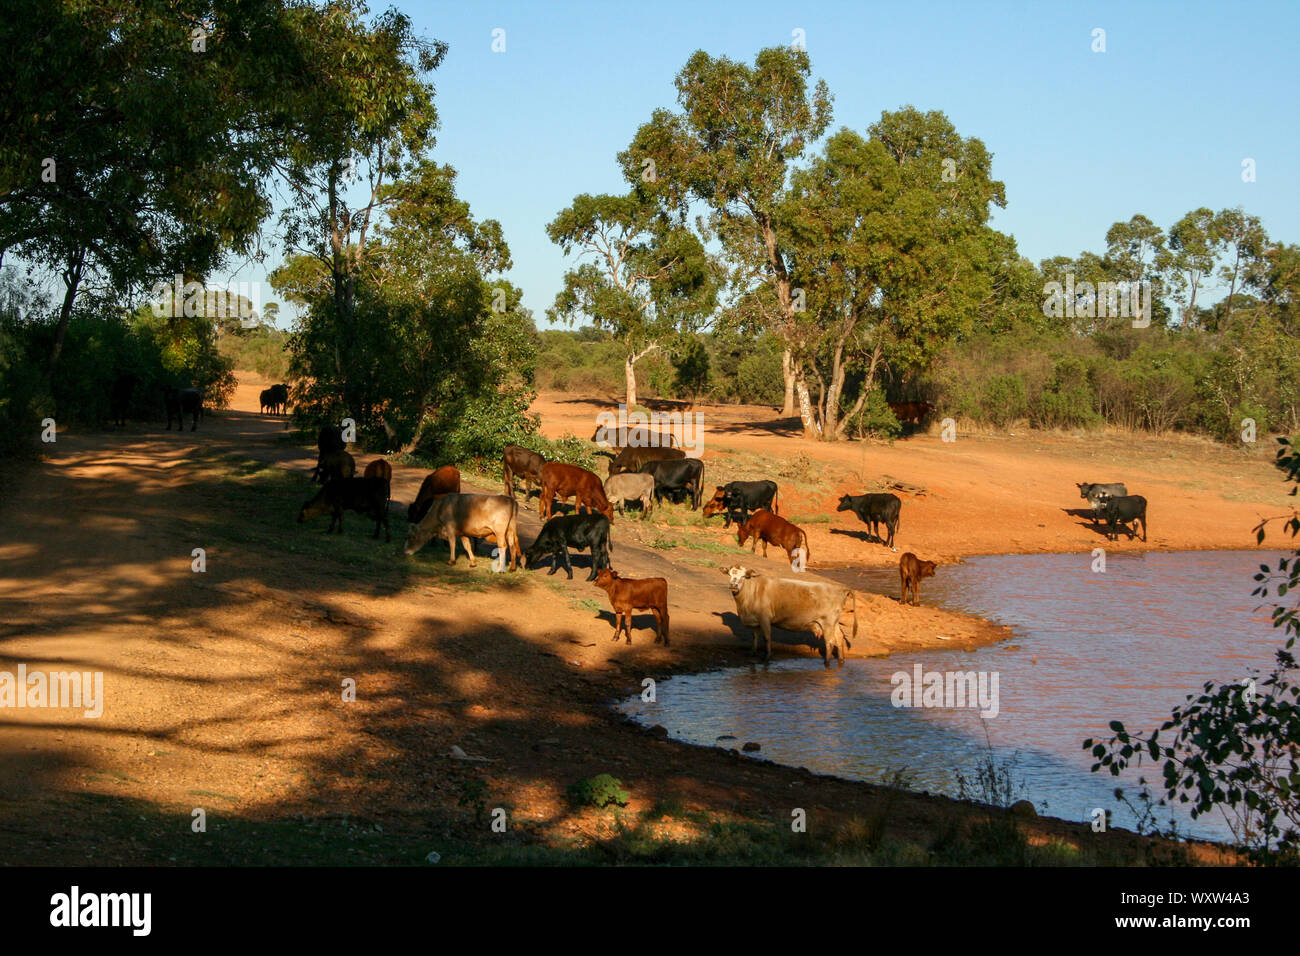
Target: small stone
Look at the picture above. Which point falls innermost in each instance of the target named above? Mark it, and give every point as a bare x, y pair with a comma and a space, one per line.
751, 747
727, 737
658, 730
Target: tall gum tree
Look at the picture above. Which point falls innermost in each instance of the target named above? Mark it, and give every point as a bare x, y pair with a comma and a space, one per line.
731, 147
646, 279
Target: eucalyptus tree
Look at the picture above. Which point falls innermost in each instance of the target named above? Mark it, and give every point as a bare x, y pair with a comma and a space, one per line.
135, 137
363, 118
731, 147
890, 240
645, 278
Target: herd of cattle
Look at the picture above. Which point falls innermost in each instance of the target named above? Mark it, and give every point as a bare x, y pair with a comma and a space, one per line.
644, 476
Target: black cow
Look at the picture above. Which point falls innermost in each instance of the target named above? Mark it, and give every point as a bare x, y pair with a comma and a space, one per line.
280, 394
578, 531
1130, 508
120, 398
874, 509
683, 475
329, 439
181, 402
736, 500
369, 496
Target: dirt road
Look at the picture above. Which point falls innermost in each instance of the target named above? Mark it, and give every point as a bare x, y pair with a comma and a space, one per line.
303, 693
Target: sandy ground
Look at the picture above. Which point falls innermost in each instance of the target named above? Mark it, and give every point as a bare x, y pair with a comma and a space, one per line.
223, 689
1004, 494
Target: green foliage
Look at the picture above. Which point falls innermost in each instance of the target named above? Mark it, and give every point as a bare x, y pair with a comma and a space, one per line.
875, 418
598, 791
1233, 748
262, 349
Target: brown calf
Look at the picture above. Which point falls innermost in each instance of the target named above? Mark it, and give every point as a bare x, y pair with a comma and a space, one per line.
773, 529
911, 413
444, 481
518, 462
635, 594
569, 481
381, 469
911, 570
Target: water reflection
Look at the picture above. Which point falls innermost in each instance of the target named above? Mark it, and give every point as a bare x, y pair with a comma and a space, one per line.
1127, 644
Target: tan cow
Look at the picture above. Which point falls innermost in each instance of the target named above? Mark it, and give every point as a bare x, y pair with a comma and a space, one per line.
631, 487
470, 516
795, 605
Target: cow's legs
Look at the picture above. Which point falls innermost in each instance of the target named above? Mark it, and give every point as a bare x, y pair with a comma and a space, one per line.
451, 545
564, 556
469, 549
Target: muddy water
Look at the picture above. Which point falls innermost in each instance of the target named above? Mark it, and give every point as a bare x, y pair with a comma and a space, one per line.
1127, 644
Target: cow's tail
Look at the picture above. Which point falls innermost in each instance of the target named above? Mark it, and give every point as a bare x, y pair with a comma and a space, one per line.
508, 478
807, 552
512, 536
775, 495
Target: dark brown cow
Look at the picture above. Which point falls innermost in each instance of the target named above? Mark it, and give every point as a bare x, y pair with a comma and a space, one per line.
336, 464
444, 481
633, 459
911, 413
381, 469
911, 570
569, 481
518, 462
773, 529
635, 594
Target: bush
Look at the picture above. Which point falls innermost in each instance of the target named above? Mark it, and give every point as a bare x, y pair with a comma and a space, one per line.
875, 418
599, 791
760, 380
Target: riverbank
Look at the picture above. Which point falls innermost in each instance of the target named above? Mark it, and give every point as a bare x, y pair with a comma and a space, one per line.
324, 699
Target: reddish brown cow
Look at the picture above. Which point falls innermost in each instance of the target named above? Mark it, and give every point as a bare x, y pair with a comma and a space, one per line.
569, 481
910, 413
381, 469
635, 594
444, 481
911, 570
773, 529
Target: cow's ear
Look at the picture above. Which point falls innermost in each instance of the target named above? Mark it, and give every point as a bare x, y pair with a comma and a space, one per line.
750, 573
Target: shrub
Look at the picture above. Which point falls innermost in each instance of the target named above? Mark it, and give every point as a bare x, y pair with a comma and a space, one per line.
598, 791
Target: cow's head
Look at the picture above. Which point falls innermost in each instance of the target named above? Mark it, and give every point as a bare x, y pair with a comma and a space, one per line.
925, 569
717, 504
420, 533
736, 577
846, 503
605, 577
1084, 489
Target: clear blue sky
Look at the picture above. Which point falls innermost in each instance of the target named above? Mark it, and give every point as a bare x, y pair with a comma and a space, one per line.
1158, 124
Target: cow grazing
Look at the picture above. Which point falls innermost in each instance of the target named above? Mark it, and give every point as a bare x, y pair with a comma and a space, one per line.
795, 605
181, 402
873, 510
1125, 508
1097, 493
635, 594
334, 465
453, 516
569, 481
773, 529
381, 469
368, 496
563, 532
517, 462
119, 402
911, 413
444, 481
620, 489
677, 477
634, 457
737, 499
911, 570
